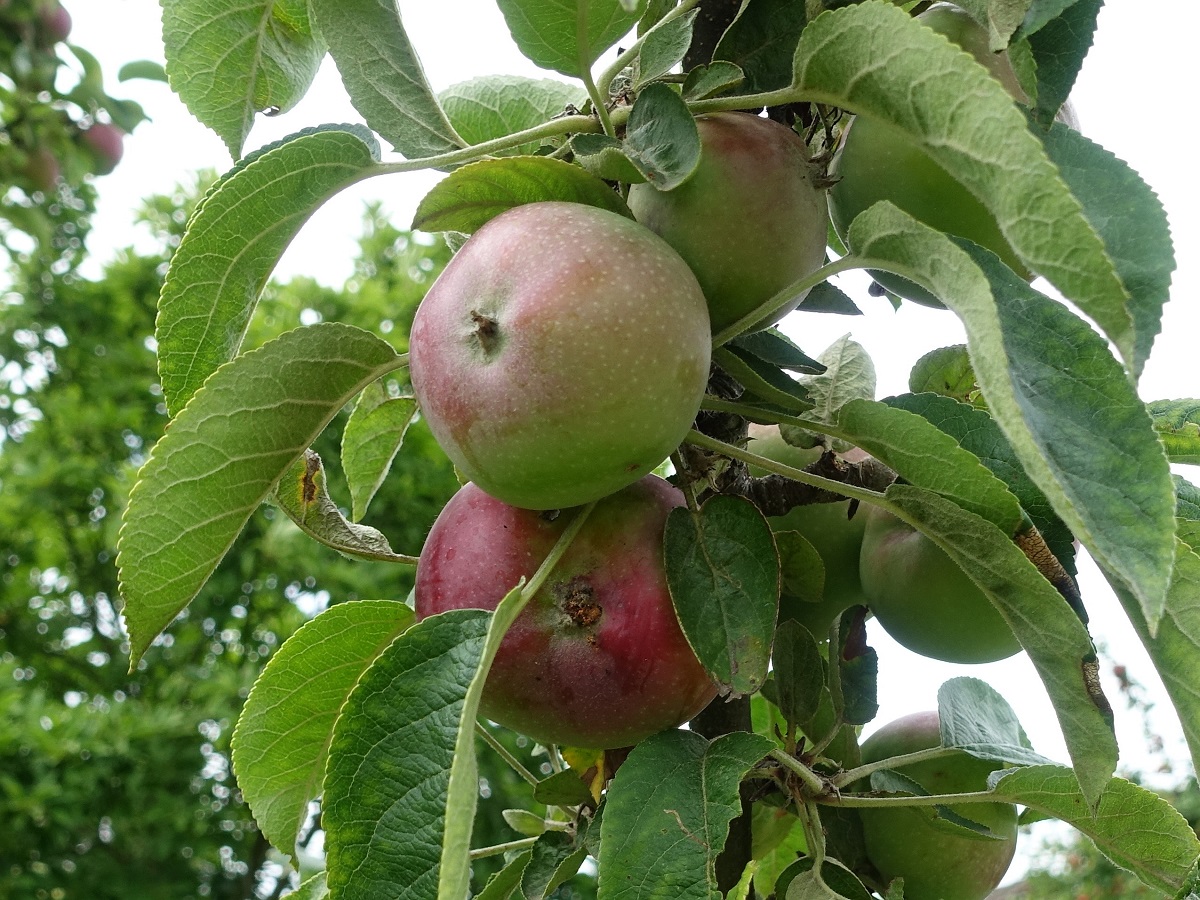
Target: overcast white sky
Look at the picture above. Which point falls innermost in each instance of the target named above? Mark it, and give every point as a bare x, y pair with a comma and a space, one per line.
1135, 96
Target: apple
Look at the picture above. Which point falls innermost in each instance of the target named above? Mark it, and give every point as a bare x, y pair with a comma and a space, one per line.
55, 22
749, 220
828, 527
875, 162
561, 355
42, 170
923, 599
904, 843
106, 142
597, 658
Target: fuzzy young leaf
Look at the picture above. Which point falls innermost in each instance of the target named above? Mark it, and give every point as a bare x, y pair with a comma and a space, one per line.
1058, 395
1134, 827
496, 106
507, 881
554, 859
664, 47
605, 157
723, 573
1178, 425
228, 60
371, 440
945, 371
383, 75
668, 812
849, 375
975, 718
394, 809
985, 144
708, 81
1130, 220
567, 36
234, 240
762, 41
223, 455
801, 569
303, 495
282, 738
798, 671
661, 139
1057, 642
469, 197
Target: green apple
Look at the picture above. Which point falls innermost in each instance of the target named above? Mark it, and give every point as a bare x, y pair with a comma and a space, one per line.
923, 599
561, 355
875, 162
937, 864
828, 527
749, 220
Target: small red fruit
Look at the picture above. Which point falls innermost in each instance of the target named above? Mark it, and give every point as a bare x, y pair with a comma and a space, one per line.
42, 170
107, 143
597, 658
55, 23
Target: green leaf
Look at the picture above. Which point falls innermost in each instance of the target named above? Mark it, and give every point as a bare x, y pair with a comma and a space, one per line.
723, 573
986, 144
228, 60
1059, 46
708, 81
605, 157
945, 371
1187, 500
762, 41
762, 379
383, 76
1134, 827
1178, 425
773, 346
1175, 647
282, 737
568, 35
395, 809
1130, 220
975, 718
142, 68
303, 495
798, 671
661, 139
849, 375
801, 569
564, 788
234, 240
1058, 395
826, 298
668, 812
370, 441
507, 881
496, 106
223, 455
1000, 17
1056, 641
314, 888
978, 432
800, 882
924, 455
554, 859
469, 197
664, 48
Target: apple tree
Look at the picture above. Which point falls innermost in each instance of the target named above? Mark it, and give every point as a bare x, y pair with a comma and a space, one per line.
679, 181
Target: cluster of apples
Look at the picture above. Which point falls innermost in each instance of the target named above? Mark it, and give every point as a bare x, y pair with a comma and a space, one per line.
560, 358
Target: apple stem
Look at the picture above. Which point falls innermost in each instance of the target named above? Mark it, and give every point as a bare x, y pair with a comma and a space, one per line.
515, 764
814, 834
497, 849
895, 762
862, 801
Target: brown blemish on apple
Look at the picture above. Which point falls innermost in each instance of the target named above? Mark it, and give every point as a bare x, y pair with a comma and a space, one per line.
487, 331
577, 600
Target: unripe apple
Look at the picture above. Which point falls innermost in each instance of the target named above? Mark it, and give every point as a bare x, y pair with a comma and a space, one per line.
597, 658
876, 162
561, 355
107, 145
904, 843
828, 527
749, 220
42, 170
923, 599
